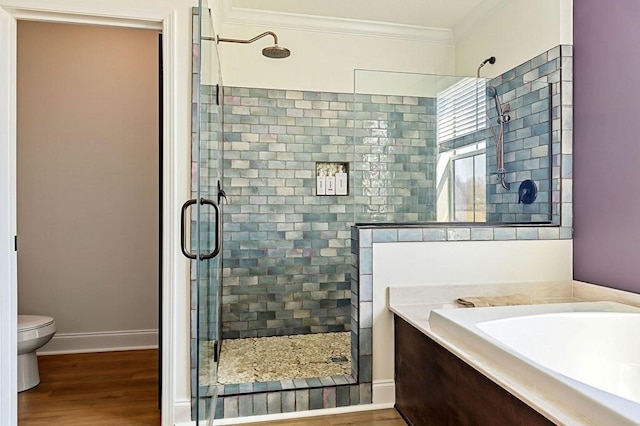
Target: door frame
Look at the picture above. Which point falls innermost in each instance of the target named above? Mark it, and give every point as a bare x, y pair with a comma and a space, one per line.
175, 172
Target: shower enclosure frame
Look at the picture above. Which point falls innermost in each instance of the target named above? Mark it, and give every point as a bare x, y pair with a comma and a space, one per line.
202, 218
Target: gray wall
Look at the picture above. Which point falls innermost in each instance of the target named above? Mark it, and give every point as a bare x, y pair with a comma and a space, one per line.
607, 152
88, 176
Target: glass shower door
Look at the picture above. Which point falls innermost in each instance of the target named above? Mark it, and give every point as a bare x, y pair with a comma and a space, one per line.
205, 213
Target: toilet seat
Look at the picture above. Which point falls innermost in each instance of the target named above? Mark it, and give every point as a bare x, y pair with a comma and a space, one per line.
34, 331
32, 322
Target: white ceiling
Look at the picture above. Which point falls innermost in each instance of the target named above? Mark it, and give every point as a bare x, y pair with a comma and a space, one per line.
424, 13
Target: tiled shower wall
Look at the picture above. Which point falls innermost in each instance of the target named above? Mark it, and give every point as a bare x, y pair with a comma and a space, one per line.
533, 91
395, 159
287, 251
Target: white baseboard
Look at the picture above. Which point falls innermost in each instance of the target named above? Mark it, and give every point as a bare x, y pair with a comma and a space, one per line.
384, 392
182, 412
103, 341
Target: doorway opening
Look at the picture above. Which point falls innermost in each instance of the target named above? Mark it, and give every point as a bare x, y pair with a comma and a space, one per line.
88, 192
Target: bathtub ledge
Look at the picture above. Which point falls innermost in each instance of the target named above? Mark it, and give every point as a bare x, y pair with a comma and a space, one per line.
414, 305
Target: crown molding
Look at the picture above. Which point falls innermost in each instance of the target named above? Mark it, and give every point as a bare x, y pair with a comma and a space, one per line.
27, 14
295, 21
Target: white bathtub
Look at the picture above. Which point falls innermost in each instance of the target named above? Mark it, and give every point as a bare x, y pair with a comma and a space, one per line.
585, 356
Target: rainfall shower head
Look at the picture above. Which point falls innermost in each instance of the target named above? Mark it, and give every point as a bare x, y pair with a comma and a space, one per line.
275, 51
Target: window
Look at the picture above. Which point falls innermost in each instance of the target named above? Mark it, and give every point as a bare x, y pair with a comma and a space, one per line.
462, 173
469, 181
461, 109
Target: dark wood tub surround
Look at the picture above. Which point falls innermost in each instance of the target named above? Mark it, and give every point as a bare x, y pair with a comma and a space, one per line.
434, 387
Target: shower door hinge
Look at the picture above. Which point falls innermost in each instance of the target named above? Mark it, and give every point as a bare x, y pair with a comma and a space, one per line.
15, 243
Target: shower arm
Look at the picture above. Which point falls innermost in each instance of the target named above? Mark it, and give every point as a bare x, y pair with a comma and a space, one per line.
258, 37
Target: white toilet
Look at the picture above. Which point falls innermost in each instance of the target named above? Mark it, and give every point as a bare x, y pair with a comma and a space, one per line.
34, 331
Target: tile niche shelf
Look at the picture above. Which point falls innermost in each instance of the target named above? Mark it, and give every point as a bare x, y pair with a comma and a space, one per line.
332, 178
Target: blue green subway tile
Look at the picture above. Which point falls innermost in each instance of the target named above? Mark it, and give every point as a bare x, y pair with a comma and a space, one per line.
503, 234
274, 403
365, 368
523, 69
365, 339
434, 234
366, 393
231, 389
231, 407
567, 190
315, 399
366, 261
366, 314
354, 395
287, 384
527, 233
567, 215
288, 401
219, 414
302, 400
329, 397
300, 383
458, 234
567, 166
385, 235
343, 398
482, 234
327, 381
411, 234
549, 233
566, 233
366, 287
259, 404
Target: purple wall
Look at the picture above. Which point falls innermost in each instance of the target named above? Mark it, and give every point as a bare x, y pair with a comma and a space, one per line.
606, 189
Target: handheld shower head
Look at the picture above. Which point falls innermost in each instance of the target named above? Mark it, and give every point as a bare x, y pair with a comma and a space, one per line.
491, 60
275, 51
491, 92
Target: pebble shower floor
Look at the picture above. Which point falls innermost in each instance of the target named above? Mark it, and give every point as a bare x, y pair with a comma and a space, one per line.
266, 359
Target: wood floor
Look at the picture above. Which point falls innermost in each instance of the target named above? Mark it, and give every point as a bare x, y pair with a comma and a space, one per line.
388, 417
109, 388
120, 388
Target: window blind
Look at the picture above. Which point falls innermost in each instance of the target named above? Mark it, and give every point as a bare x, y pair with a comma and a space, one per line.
461, 109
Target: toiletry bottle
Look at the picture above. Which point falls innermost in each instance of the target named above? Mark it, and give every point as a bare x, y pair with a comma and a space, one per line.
321, 184
331, 184
341, 182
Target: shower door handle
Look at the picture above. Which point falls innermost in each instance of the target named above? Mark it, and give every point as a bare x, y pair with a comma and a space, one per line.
183, 230
218, 231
